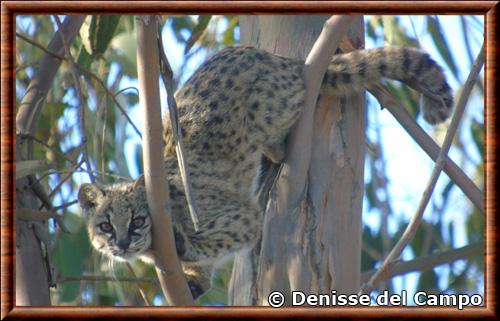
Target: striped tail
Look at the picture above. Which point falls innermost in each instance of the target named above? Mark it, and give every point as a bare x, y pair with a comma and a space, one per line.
357, 70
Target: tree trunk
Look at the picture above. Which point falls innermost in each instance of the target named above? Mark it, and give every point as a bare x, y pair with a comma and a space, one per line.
32, 286
316, 247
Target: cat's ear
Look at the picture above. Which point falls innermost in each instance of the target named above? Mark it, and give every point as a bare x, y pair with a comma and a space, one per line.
89, 195
139, 182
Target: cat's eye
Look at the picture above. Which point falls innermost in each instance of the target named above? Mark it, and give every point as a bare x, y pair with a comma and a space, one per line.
106, 227
137, 222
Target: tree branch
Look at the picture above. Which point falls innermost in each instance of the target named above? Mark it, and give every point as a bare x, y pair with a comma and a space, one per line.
428, 262
167, 77
88, 73
455, 173
138, 286
102, 278
48, 147
288, 191
299, 150
79, 95
32, 102
412, 227
39, 46
113, 97
168, 268
31, 273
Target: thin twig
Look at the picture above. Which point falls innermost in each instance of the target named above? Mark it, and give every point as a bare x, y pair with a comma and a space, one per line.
89, 73
103, 278
79, 169
428, 145
139, 288
65, 178
412, 227
31, 215
44, 144
76, 80
127, 88
167, 77
39, 46
103, 133
430, 261
113, 96
39, 191
48, 173
100, 173
65, 205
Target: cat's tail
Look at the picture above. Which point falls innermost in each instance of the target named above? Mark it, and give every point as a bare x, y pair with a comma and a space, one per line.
357, 70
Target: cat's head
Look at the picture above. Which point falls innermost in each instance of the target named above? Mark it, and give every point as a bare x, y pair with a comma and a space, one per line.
117, 217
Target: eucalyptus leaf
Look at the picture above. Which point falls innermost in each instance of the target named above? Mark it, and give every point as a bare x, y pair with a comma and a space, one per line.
84, 59
197, 32
70, 256
477, 131
436, 32
103, 30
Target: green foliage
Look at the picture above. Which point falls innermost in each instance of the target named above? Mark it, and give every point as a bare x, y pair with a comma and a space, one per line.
436, 32
217, 295
123, 53
395, 34
97, 32
408, 97
197, 31
205, 34
425, 240
71, 256
372, 240
427, 281
439, 233
105, 53
477, 131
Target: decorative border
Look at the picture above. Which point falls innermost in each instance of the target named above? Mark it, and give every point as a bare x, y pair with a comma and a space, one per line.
11, 8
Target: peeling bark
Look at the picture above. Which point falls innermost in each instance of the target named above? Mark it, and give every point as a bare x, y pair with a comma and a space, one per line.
316, 245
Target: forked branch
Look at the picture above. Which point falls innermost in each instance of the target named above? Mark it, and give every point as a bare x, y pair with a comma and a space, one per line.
287, 193
79, 96
299, 150
412, 227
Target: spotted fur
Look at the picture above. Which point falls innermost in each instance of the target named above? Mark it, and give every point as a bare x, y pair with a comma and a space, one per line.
237, 107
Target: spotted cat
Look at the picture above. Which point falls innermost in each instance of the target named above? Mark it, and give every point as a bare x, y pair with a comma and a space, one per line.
237, 108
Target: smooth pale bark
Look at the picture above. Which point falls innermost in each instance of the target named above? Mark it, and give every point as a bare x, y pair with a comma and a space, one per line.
316, 247
168, 267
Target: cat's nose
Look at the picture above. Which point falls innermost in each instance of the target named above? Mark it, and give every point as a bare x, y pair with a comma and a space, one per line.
123, 244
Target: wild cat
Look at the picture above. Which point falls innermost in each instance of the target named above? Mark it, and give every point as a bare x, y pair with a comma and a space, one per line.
236, 109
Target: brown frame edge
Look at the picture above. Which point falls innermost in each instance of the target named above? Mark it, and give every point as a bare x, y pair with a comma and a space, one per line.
12, 8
